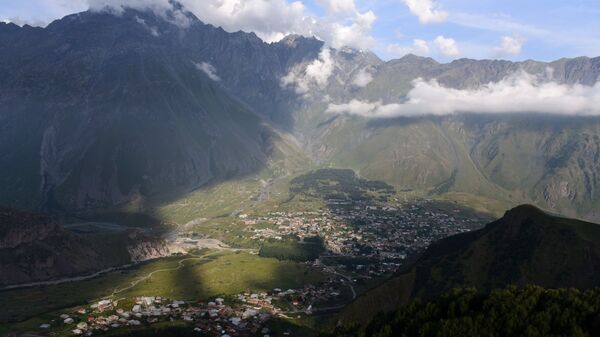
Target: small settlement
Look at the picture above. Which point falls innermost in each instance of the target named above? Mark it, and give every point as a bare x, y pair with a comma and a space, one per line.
241, 315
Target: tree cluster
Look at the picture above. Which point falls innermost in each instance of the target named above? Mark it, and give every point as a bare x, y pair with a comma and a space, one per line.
525, 312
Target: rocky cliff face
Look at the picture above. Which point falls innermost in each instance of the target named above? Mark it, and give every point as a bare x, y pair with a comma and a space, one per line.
35, 247
142, 247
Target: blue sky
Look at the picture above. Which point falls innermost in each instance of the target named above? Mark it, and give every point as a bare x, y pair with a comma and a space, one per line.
549, 29
508, 29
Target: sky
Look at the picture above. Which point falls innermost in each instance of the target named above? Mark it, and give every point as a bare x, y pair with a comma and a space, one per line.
443, 29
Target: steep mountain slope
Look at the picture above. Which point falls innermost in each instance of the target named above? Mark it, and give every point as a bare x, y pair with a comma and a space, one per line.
97, 110
548, 160
35, 247
526, 246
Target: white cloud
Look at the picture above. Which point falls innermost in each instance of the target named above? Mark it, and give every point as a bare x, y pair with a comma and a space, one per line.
354, 35
518, 93
426, 10
338, 6
362, 78
21, 22
419, 47
41, 12
440, 45
355, 107
510, 46
271, 20
314, 75
153, 30
447, 46
209, 70
321, 69
163, 8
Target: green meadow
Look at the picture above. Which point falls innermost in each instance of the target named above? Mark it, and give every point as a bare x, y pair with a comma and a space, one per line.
182, 278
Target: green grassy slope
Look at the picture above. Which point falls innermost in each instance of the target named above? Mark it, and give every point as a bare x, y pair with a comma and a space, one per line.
199, 278
501, 161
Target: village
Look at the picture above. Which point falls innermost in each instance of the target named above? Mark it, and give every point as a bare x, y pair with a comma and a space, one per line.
361, 241
243, 315
378, 237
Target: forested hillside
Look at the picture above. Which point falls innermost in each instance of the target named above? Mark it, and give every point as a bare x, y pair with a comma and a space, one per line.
510, 312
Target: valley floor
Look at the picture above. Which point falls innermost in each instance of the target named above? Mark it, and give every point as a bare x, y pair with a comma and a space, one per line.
295, 256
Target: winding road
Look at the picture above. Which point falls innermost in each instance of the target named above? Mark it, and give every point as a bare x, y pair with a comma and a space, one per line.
68, 279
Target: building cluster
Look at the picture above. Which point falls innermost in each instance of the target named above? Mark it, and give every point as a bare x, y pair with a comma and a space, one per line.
245, 314
215, 318
381, 235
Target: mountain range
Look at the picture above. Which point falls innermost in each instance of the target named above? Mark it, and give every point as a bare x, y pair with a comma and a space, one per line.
100, 110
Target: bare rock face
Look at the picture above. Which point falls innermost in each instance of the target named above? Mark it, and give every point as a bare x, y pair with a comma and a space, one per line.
142, 248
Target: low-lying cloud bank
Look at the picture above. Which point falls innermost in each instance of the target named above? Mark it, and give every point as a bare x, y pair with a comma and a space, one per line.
518, 93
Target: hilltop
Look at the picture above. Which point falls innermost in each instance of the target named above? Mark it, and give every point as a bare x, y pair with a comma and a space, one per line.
526, 246
529, 311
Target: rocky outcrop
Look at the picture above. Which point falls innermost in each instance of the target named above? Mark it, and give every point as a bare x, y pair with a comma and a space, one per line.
142, 247
35, 247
